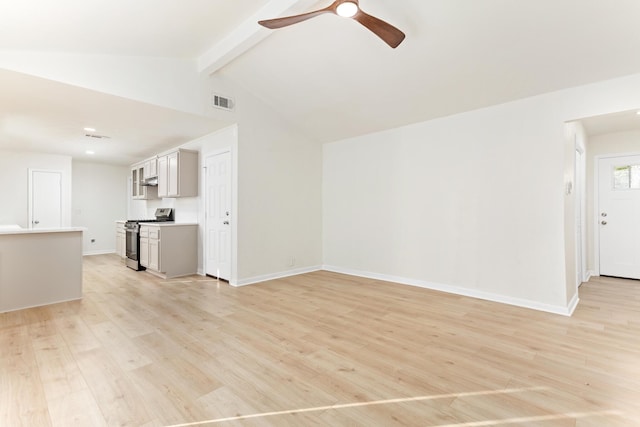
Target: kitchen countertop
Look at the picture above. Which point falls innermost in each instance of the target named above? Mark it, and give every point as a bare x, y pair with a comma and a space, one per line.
12, 230
168, 224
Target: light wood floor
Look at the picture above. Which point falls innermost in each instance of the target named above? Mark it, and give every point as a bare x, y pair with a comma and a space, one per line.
318, 349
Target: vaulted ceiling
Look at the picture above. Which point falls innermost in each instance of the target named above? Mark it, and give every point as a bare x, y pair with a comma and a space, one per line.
331, 76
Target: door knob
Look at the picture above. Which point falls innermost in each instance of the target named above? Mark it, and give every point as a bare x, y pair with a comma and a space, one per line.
604, 223
604, 214
36, 222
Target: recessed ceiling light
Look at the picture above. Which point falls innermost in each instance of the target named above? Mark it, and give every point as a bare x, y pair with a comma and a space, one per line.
90, 129
638, 112
90, 152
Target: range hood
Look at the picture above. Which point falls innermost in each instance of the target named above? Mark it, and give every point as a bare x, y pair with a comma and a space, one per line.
150, 182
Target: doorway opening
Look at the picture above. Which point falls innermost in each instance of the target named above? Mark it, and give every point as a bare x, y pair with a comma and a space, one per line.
611, 135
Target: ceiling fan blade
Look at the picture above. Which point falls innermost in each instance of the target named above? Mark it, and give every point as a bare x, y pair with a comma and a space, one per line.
290, 20
387, 32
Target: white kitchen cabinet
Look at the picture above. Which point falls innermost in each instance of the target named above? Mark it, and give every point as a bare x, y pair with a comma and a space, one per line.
143, 252
154, 254
173, 174
163, 176
169, 250
151, 236
121, 239
178, 174
139, 191
151, 168
136, 180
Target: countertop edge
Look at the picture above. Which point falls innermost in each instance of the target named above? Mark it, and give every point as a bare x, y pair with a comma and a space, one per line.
42, 231
168, 224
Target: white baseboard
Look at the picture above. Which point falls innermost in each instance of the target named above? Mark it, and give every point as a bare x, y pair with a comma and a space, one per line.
273, 276
589, 275
103, 252
519, 302
573, 304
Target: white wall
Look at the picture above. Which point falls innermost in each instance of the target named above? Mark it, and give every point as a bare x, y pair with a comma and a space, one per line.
473, 203
278, 222
14, 184
99, 199
599, 145
280, 198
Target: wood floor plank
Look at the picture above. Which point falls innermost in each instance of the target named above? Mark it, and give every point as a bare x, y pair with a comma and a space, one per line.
22, 398
314, 350
114, 393
77, 408
59, 371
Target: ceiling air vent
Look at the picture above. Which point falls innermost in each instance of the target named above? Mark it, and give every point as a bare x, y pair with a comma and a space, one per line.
222, 102
91, 135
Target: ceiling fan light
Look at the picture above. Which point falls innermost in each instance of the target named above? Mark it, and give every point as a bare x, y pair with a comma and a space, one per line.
347, 9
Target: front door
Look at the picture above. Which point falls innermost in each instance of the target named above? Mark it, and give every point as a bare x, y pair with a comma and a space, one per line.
218, 215
45, 199
618, 217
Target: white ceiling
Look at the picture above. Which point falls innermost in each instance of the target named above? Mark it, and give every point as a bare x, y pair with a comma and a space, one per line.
46, 116
623, 121
334, 78
159, 28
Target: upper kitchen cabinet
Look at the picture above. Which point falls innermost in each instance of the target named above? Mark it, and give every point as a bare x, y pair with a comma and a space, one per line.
136, 180
139, 190
178, 174
151, 168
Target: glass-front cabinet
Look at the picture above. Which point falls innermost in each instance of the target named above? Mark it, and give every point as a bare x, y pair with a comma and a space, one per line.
138, 188
137, 175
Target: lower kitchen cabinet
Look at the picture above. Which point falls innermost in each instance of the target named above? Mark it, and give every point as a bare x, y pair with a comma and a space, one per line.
121, 240
154, 250
169, 250
143, 253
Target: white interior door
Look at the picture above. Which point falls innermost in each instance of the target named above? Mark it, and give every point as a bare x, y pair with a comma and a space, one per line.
618, 216
218, 214
45, 199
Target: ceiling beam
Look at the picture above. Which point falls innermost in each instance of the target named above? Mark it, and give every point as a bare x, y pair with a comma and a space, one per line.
248, 34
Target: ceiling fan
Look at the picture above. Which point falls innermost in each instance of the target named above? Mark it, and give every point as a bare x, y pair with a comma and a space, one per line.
347, 9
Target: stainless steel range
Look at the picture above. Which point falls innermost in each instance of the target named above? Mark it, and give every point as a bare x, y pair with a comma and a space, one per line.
132, 227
